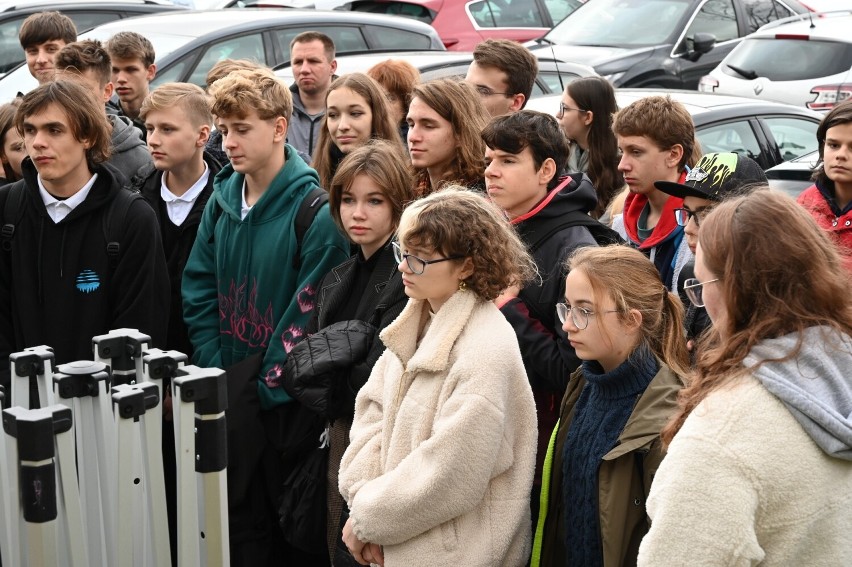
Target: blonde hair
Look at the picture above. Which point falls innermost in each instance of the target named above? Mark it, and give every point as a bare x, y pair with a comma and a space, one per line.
455, 221
190, 98
631, 280
225, 67
251, 89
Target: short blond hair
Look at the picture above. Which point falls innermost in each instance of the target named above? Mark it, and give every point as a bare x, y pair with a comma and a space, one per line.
251, 89
190, 98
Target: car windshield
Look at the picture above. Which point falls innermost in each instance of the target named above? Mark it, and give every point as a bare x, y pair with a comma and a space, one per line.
770, 58
621, 23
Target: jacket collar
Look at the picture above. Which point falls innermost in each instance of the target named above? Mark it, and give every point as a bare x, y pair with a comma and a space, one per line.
433, 353
651, 413
666, 226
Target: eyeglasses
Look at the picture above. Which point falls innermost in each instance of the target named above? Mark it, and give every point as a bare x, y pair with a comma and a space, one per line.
485, 91
415, 264
695, 290
562, 108
579, 315
682, 216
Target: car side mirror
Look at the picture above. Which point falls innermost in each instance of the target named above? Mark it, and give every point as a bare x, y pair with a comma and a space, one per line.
701, 43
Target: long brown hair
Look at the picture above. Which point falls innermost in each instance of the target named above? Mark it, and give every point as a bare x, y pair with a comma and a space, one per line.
631, 280
459, 104
382, 126
779, 273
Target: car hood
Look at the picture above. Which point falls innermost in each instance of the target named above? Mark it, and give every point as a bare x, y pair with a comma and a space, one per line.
593, 55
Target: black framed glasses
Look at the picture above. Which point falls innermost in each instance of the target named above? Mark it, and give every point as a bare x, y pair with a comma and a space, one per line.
563, 108
695, 290
579, 315
682, 216
415, 264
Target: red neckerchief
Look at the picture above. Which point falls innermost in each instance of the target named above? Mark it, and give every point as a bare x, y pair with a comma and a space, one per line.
543, 203
633, 205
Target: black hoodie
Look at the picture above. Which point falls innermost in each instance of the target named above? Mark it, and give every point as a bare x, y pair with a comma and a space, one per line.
177, 241
57, 287
548, 357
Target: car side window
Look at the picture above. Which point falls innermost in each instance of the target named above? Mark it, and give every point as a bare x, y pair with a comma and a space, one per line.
85, 21
737, 137
717, 17
242, 47
345, 38
793, 136
11, 54
761, 12
560, 8
506, 14
396, 39
552, 82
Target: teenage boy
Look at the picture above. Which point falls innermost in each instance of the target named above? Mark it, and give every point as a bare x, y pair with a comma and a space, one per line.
714, 178
133, 68
656, 138
248, 290
62, 280
313, 63
88, 62
42, 35
526, 153
503, 73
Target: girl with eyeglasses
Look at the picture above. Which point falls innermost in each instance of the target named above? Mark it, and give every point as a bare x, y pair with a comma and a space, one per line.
355, 301
585, 115
626, 327
442, 452
759, 462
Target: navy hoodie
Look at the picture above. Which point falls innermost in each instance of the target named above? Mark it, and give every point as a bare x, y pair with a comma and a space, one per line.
56, 285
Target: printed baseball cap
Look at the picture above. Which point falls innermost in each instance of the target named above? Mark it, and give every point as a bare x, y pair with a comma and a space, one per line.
715, 176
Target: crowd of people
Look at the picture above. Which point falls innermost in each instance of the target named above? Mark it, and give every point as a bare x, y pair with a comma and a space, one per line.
455, 331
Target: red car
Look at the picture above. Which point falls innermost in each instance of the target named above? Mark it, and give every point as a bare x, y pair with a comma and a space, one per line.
464, 23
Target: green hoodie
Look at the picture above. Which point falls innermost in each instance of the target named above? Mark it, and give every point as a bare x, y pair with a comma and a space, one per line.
241, 294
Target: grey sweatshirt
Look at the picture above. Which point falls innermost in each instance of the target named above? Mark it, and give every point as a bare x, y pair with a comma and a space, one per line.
815, 385
129, 152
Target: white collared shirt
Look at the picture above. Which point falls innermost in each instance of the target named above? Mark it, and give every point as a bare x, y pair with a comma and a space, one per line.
179, 207
244, 210
59, 209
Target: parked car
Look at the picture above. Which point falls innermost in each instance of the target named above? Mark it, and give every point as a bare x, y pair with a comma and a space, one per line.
794, 176
189, 43
657, 43
767, 132
85, 14
806, 63
463, 23
552, 75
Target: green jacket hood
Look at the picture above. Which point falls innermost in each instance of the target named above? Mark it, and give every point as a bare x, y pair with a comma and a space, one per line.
278, 198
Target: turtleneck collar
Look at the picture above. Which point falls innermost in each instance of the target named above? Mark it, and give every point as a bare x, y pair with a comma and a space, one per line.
630, 378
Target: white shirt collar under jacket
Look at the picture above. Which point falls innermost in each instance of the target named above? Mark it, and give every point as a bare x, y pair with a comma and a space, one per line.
179, 207
59, 209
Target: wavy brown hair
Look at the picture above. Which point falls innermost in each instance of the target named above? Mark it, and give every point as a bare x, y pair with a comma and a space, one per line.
631, 280
459, 104
456, 221
258, 90
382, 161
779, 273
663, 120
382, 127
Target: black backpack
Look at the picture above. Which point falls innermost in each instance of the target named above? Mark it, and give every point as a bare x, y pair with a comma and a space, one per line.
12, 198
308, 209
537, 234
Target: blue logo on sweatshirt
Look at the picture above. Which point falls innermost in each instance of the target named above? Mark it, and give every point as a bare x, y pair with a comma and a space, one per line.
88, 281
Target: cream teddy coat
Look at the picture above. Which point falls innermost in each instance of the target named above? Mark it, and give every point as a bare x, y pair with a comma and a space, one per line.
743, 484
442, 453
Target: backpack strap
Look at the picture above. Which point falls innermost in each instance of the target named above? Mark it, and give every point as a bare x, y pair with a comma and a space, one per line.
602, 234
114, 222
13, 210
308, 210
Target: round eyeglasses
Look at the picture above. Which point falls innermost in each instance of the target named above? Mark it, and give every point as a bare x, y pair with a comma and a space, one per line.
579, 315
695, 290
415, 264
